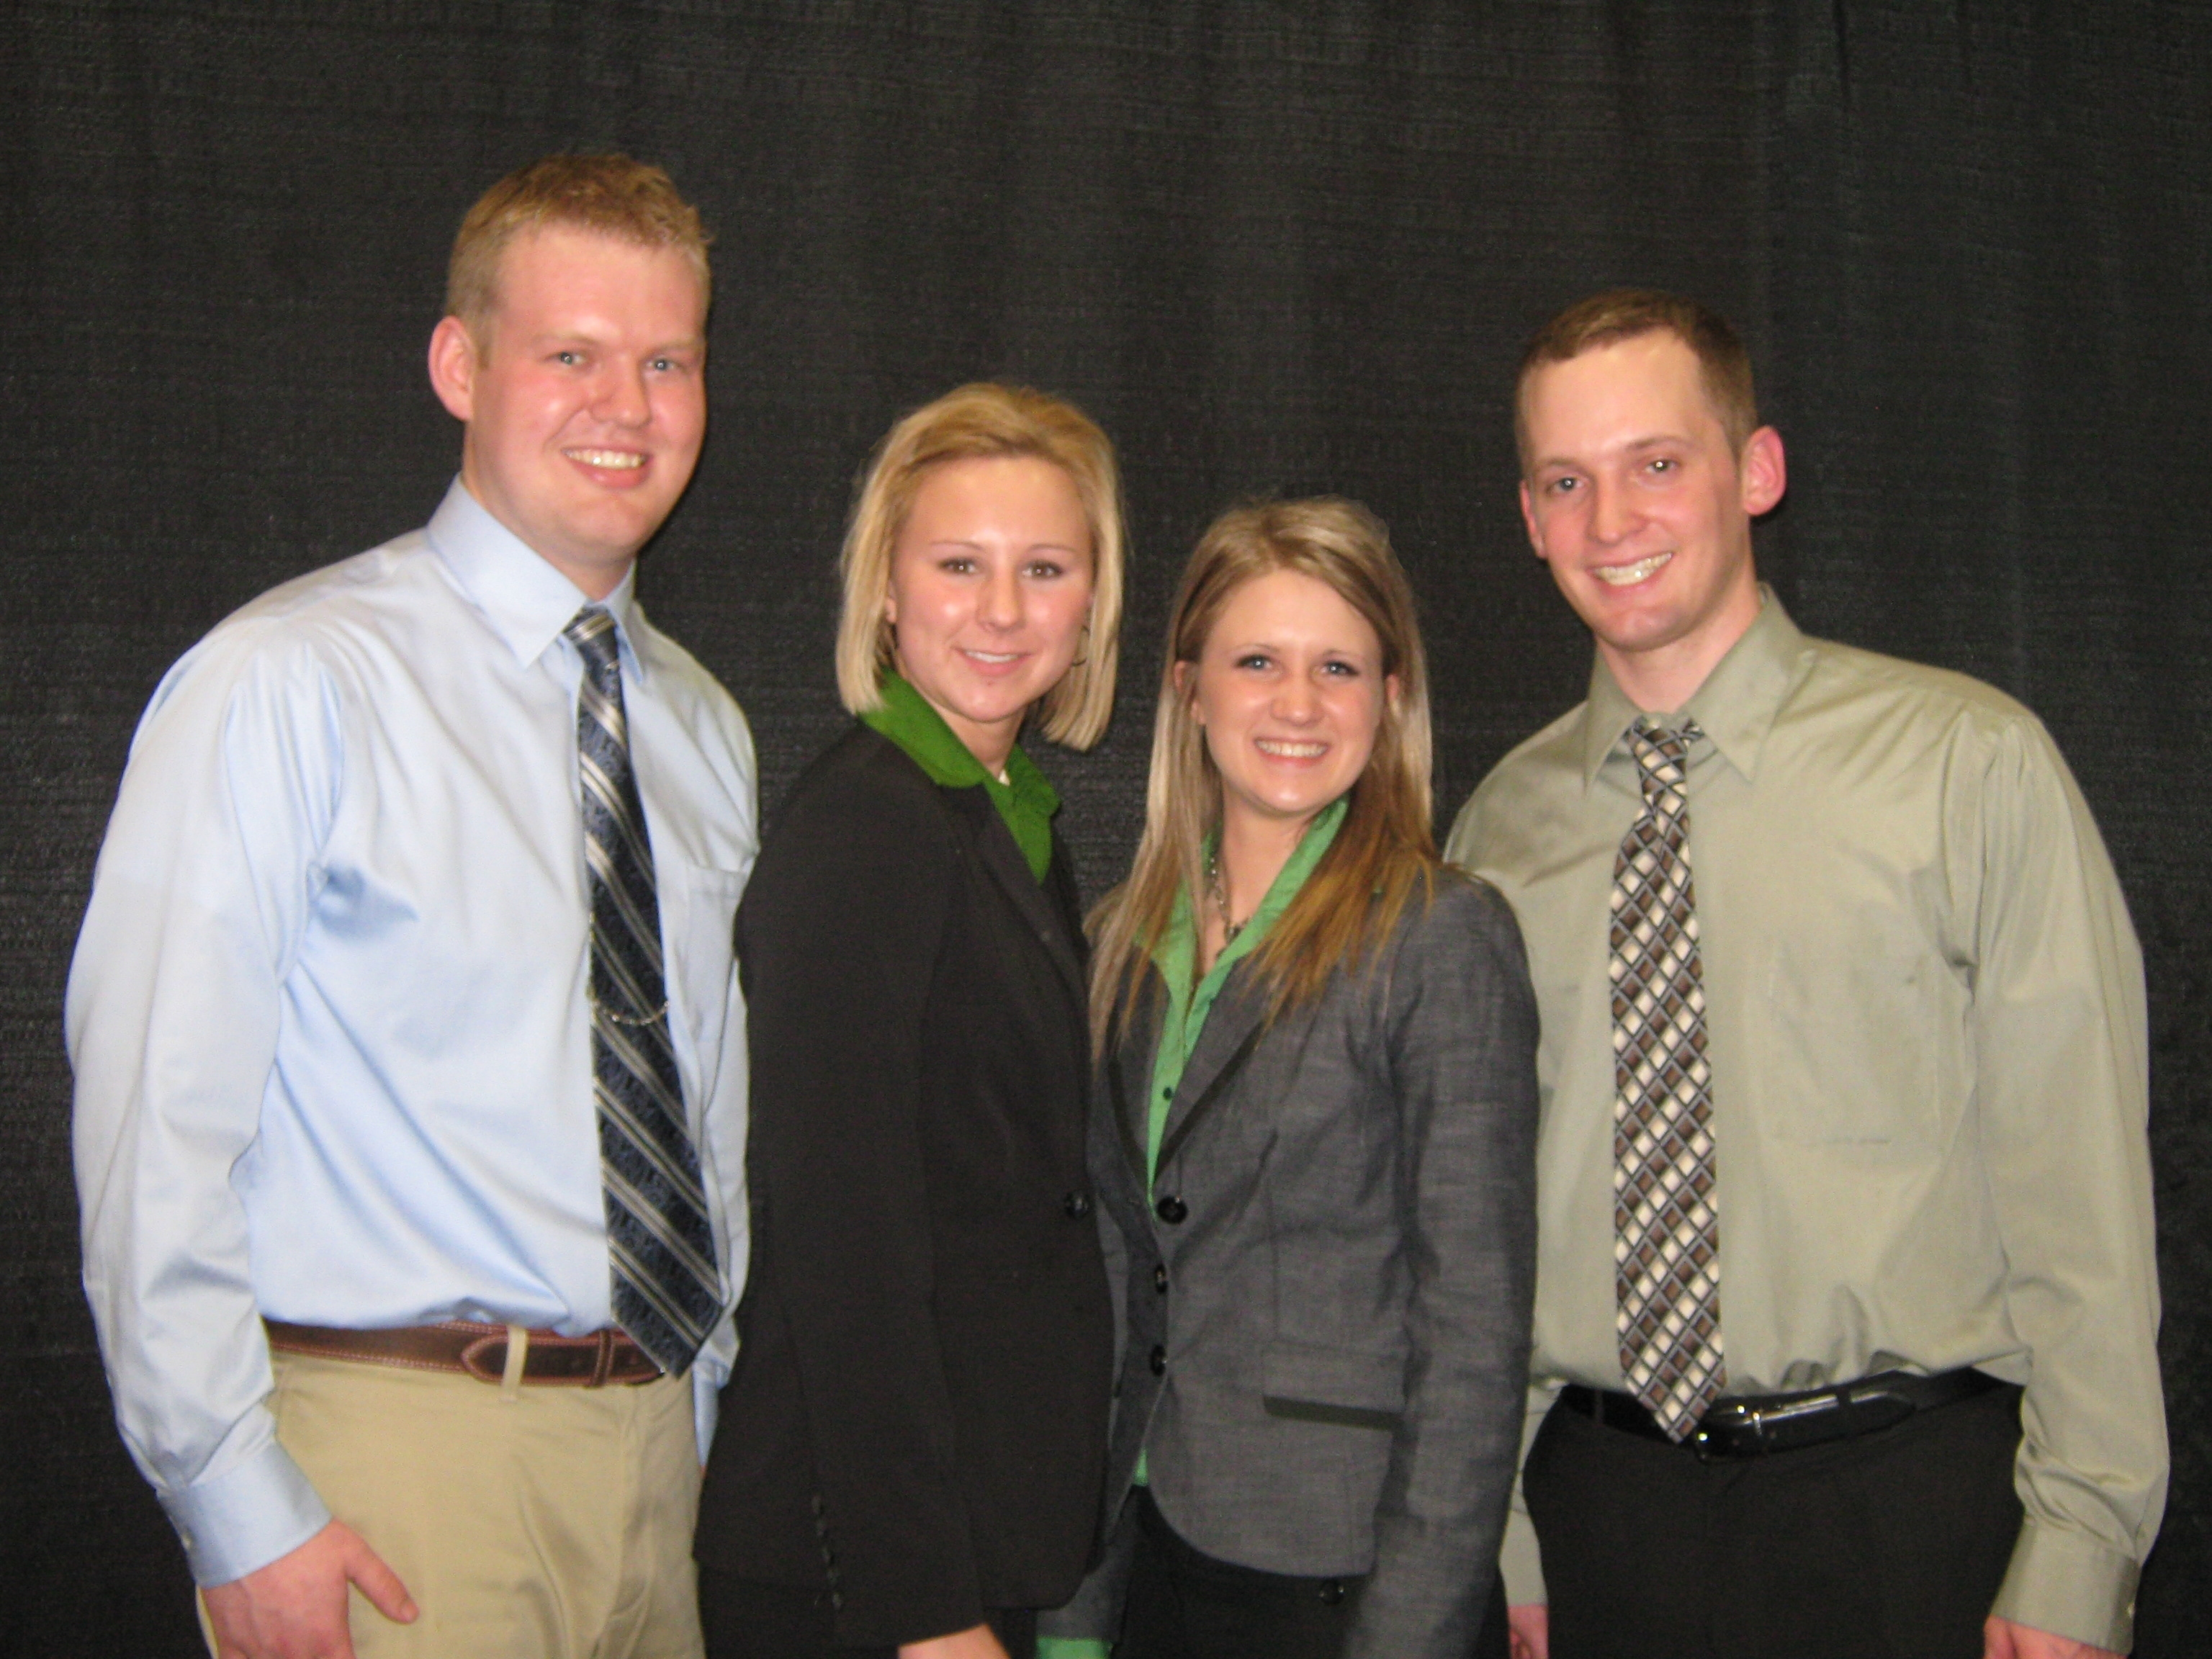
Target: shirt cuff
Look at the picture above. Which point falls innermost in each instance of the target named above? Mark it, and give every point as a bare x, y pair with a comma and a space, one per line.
2071, 1585
705, 1407
1519, 1564
246, 1517
1069, 1647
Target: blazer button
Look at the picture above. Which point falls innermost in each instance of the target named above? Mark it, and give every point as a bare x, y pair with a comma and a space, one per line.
1160, 1278
1171, 1210
1332, 1593
1159, 1360
1078, 1206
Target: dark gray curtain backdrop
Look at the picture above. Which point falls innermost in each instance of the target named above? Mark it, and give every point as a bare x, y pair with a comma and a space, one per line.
1272, 248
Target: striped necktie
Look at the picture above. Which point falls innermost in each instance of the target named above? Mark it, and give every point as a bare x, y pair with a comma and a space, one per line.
1666, 1227
660, 1244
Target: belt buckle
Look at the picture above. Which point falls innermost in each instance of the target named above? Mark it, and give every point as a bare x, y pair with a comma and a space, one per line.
1720, 1431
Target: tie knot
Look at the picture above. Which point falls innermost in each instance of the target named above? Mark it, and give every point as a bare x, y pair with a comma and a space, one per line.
1662, 751
592, 631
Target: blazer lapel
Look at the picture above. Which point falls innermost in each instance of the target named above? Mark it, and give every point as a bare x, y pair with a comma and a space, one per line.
1129, 1080
1001, 854
1234, 1026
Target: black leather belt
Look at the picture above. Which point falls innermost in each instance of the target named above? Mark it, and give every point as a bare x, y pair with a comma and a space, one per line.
1751, 1426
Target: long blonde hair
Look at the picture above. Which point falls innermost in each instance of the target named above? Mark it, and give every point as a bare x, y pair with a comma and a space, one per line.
984, 419
1385, 847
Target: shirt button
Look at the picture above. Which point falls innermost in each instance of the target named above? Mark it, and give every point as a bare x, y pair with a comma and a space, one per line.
1078, 1206
1171, 1210
1160, 1278
1159, 1360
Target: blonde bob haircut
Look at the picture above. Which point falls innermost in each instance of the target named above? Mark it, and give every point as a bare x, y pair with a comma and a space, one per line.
613, 195
985, 420
1385, 848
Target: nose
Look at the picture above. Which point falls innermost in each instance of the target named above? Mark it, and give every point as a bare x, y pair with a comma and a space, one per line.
620, 398
998, 606
1297, 700
1611, 516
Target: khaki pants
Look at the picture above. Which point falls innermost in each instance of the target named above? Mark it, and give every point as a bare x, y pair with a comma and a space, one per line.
531, 1523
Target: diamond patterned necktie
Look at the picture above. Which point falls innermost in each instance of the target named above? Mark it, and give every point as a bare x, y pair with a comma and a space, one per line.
660, 1244
1666, 1231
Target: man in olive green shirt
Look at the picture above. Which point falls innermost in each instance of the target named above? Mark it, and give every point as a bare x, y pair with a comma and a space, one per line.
1922, 1045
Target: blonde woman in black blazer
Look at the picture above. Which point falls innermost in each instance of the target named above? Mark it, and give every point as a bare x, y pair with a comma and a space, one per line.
910, 1454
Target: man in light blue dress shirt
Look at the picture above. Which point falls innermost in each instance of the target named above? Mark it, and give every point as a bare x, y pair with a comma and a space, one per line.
332, 1010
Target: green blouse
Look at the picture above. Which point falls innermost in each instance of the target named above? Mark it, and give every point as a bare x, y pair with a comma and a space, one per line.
1025, 799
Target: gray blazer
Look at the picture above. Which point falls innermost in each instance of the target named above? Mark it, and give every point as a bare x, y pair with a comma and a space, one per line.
1323, 1305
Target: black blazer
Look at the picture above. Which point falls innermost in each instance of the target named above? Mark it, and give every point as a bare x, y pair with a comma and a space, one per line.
917, 1422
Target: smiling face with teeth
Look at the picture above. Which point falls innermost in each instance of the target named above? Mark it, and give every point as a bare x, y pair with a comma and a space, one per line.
1642, 507
1289, 691
990, 587
585, 401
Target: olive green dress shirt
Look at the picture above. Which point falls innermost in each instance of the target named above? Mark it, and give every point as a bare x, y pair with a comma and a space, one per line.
1925, 1017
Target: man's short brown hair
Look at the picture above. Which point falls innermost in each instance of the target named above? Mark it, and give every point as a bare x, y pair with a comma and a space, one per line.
613, 195
1624, 313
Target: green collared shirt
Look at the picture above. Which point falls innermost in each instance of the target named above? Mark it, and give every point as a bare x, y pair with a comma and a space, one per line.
1925, 1020
1183, 1022
1025, 799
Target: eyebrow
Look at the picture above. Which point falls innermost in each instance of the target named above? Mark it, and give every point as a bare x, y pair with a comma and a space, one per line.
1635, 446
1034, 547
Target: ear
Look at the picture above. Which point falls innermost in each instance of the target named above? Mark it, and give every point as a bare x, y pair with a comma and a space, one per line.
1763, 473
1181, 675
1528, 520
1394, 691
453, 366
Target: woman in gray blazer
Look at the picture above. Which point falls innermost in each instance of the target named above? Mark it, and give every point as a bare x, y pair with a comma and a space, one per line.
1313, 1142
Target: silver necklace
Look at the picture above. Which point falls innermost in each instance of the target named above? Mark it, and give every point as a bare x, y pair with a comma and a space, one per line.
1216, 890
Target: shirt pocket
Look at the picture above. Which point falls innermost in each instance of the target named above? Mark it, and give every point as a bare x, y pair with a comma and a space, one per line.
698, 935
1853, 1054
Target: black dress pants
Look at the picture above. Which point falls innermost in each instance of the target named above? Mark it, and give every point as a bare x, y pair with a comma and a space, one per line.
745, 1618
1888, 1547
1185, 1605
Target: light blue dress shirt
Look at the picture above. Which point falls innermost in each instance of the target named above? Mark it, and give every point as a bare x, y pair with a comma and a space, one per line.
327, 1013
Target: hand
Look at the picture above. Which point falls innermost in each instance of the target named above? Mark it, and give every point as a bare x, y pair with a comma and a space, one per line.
2003, 1639
977, 1643
295, 1606
1530, 1630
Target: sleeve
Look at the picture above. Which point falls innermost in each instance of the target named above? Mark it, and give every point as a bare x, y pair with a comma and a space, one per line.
1520, 1562
1462, 1044
202, 890
2062, 1078
838, 939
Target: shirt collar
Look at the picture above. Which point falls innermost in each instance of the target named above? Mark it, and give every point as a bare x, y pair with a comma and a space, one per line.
910, 720
1735, 707
526, 601
1176, 953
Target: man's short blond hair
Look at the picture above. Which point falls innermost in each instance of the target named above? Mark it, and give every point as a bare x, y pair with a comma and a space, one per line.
1626, 313
613, 195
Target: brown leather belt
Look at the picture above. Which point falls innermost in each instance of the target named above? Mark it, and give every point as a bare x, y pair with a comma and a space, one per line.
479, 1351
